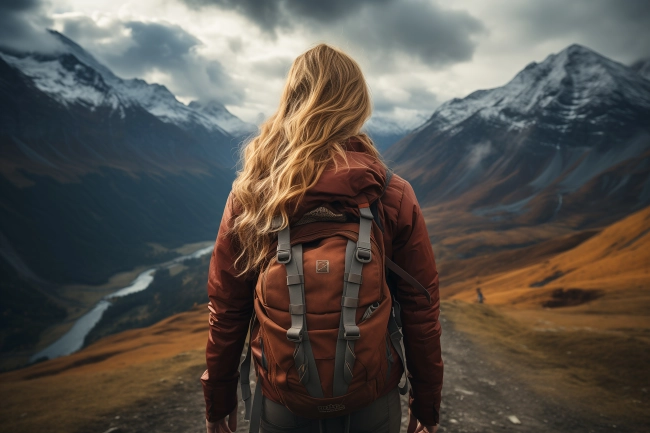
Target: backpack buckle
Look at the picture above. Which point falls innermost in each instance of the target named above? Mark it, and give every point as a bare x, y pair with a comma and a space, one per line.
364, 255
284, 253
294, 334
351, 332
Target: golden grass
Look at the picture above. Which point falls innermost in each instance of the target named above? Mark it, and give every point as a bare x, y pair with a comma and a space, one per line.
615, 263
593, 352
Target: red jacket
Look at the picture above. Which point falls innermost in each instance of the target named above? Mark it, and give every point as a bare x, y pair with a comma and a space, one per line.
406, 241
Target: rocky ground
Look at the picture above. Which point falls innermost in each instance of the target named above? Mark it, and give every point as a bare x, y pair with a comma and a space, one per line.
483, 392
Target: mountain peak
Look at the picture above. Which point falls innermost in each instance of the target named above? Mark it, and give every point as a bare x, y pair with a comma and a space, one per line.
71, 47
579, 49
576, 59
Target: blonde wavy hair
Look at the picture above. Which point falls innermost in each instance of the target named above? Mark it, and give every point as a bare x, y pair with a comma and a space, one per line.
325, 102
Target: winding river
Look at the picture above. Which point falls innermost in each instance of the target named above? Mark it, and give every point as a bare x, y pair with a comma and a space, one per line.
73, 340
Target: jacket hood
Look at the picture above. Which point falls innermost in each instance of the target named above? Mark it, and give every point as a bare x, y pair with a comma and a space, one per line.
344, 189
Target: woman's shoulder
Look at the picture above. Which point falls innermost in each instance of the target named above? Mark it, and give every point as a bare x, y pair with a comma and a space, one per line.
399, 190
400, 206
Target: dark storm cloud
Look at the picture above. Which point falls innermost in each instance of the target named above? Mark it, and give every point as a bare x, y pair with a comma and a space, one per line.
22, 26
417, 28
270, 15
135, 49
422, 29
618, 28
154, 45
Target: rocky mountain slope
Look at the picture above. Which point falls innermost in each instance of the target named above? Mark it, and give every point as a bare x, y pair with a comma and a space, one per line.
567, 139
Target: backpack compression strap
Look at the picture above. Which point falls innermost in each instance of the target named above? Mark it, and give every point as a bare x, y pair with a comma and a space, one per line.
297, 333
355, 257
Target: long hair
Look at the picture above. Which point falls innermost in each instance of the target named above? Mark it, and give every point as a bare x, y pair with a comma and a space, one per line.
325, 101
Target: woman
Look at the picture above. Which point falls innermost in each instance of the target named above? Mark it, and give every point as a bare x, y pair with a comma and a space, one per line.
311, 153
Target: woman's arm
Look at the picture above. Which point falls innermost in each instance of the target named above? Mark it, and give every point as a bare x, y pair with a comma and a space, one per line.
413, 252
230, 309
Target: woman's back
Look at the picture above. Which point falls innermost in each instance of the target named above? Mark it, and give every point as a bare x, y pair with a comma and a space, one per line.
341, 176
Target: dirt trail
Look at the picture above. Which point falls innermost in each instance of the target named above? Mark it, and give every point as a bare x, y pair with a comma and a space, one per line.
479, 395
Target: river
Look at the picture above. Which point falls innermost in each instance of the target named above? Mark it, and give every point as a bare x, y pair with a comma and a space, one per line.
73, 340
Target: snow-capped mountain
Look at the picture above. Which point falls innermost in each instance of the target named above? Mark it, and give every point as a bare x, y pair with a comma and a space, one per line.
564, 88
54, 75
568, 134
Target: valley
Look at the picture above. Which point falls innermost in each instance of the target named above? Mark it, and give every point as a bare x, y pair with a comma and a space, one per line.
77, 301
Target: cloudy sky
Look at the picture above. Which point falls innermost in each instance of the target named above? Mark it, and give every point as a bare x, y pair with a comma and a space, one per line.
416, 54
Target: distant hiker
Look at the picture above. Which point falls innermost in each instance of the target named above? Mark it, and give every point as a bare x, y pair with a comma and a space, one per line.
313, 217
479, 295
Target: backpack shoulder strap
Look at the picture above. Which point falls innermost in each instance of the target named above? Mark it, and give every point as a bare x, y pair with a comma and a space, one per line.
407, 277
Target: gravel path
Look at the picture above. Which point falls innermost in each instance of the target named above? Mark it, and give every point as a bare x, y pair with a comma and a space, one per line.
478, 396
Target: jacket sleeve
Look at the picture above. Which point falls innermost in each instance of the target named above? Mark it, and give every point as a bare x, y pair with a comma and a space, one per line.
413, 252
230, 308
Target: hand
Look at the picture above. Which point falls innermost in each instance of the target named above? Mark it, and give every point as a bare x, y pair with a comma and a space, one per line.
416, 426
221, 426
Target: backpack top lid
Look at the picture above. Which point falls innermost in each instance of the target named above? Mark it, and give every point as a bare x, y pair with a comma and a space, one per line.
322, 213
344, 188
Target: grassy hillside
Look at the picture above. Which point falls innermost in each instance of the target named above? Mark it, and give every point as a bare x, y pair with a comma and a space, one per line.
607, 273
68, 393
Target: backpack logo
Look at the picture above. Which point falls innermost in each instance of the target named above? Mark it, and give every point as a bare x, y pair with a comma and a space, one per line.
322, 266
331, 408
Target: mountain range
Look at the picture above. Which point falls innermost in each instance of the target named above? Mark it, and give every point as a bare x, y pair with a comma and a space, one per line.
99, 174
